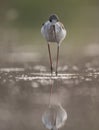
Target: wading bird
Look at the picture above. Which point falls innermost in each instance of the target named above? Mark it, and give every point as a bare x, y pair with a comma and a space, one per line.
53, 31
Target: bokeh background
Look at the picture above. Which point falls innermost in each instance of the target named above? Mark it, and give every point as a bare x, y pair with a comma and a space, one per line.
21, 21
24, 64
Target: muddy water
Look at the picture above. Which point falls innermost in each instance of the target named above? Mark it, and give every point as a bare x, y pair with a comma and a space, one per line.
27, 92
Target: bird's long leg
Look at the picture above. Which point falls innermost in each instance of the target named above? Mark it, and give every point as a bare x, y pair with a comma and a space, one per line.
50, 97
57, 48
57, 59
50, 58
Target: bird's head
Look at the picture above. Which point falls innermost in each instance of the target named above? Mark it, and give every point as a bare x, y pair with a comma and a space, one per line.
53, 18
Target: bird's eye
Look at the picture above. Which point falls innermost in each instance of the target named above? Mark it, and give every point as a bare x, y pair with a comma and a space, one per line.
50, 20
43, 24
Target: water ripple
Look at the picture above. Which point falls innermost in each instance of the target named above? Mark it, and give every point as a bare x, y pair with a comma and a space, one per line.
18, 74
47, 76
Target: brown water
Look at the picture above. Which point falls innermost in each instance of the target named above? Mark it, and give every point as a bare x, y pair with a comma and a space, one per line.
25, 93
30, 98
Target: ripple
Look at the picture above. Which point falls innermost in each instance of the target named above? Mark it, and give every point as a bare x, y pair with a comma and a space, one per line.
11, 69
39, 68
34, 85
18, 74
47, 76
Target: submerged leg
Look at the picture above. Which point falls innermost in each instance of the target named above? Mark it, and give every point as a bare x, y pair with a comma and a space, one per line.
57, 59
50, 58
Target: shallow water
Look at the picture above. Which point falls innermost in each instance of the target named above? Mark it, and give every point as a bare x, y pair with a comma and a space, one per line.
25, 96
30, 97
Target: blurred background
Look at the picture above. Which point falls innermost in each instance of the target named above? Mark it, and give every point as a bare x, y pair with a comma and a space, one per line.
24, 64
21, 21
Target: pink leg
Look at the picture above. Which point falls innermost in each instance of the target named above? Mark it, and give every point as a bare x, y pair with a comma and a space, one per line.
50, 58
57, 59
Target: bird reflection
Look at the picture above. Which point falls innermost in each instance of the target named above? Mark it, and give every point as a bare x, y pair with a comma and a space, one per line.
55, 115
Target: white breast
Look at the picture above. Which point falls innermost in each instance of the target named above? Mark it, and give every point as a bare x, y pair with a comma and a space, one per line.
49, 34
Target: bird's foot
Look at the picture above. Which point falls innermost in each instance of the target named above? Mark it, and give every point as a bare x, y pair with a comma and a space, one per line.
56, 73
51, 70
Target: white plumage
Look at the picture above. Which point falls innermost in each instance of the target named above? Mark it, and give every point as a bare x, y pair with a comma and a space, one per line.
48, 33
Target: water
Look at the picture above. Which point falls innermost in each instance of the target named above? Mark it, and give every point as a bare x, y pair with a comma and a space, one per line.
32, 99
26, 94
27, 89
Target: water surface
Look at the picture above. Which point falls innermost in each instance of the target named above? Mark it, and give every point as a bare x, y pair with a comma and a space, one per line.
25, 93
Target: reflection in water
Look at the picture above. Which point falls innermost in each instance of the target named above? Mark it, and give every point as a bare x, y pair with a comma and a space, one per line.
55, 115
24, 93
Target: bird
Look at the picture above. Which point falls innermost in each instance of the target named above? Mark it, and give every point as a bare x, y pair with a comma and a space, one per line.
54, 32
